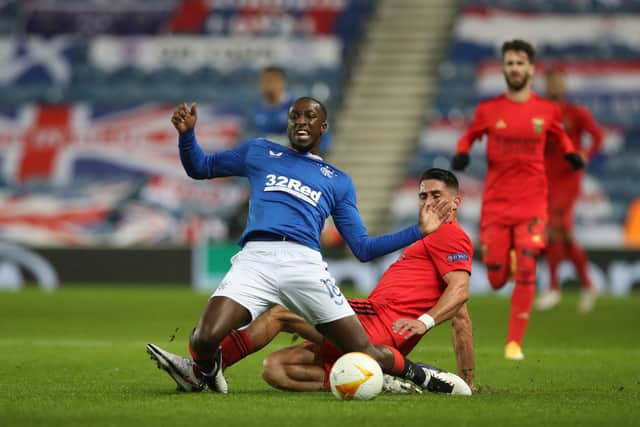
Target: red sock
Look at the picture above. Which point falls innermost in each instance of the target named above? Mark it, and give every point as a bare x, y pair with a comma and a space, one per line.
193, 354
406, 369
235, 346
521, 301
555, 254
399, 362
579, 259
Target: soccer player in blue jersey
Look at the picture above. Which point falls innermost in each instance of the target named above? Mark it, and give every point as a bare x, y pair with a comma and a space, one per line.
293, 191
271, 115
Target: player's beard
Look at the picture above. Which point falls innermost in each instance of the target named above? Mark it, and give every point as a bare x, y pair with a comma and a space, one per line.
301, 147
516, 87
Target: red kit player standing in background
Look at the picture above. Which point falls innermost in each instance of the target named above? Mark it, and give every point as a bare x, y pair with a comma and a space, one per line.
564, 189
518, 125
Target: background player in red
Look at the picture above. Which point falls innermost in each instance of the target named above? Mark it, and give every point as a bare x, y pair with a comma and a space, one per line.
427, 285
518, 125
564, 189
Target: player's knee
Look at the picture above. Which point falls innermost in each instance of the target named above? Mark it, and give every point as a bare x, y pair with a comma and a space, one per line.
526, 266
498, 274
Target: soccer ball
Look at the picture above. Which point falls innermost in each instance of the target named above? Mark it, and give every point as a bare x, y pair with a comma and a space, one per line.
356, 376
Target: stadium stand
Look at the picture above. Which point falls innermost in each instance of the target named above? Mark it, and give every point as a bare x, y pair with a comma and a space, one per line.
87, 153
600, 58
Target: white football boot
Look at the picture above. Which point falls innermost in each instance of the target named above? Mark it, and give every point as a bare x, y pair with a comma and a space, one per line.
588, 299
185, 372
548, 300
215, 380
439, 381
393, 385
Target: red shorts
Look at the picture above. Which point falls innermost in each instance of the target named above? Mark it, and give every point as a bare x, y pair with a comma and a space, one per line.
377, 324
498, 239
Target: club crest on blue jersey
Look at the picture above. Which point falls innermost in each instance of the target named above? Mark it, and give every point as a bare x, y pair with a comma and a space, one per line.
326, 171
457, 257
292, 186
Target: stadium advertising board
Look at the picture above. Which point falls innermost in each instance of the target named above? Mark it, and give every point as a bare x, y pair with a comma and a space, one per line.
189, 53
615, 271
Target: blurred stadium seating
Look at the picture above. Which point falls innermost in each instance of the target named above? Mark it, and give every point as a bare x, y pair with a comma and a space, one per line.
86, 88
87, 153
598, 44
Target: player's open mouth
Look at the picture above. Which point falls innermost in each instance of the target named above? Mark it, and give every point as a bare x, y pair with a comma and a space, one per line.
302, 135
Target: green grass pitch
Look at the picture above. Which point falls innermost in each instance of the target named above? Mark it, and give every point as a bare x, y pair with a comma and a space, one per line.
76, 357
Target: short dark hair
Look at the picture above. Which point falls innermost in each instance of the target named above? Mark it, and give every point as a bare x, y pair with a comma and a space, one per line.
443, 175
274, 69
322, 107
521, 46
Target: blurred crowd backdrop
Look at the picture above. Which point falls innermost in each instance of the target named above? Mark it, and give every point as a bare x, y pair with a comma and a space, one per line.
88, 156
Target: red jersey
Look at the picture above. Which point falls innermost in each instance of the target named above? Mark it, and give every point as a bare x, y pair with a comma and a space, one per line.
414, 284
577, 121
516, 184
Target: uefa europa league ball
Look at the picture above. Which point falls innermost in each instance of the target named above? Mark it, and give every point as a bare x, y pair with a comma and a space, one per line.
356, 376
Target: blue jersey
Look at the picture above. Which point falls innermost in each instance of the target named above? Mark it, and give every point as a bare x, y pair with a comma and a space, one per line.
273, 120
292, 194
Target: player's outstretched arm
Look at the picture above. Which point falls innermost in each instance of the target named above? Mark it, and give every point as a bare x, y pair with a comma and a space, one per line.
463, 346
595, 131
556, 131
476, 130
196, 163
349, 223
193, 159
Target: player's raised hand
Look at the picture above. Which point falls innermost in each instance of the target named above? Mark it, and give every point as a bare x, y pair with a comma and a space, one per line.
184, 118
460, 162
576, 160
432, 216
409, 327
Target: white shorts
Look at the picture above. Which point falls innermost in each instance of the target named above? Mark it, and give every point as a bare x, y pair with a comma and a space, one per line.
264, 274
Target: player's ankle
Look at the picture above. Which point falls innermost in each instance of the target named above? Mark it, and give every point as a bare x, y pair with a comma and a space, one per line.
414, 373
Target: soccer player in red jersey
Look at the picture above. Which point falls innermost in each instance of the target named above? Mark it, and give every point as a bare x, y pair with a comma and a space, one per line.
518, 125
426, 286
564, 188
